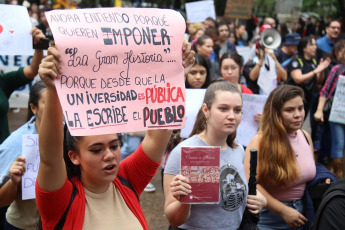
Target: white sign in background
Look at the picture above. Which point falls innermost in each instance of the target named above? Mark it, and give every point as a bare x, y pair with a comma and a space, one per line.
32, 156
15, 26
268, 76
194, 99
252, 104
15, 47
199, 11
338, 107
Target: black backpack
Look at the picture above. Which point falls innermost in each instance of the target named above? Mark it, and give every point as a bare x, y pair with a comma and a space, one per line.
335, 190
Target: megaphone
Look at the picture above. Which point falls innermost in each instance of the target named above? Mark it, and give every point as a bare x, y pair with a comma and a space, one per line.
270, 39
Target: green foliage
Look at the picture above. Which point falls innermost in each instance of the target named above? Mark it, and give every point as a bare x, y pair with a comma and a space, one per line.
321, 7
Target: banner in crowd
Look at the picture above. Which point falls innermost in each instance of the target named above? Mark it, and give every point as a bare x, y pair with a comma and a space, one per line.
338, 107
247, 53
32, 156
122, 69
252, 105
268, 76
241, 9
200, 10
15, 26
194, 99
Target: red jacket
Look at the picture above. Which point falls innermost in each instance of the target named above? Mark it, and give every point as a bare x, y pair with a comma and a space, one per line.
246, 90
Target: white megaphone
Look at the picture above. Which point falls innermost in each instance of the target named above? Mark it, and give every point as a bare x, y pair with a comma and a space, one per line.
270, 39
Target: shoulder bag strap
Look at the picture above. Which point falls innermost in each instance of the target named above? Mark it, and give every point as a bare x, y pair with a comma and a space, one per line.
305, 137
62, 220
129, 185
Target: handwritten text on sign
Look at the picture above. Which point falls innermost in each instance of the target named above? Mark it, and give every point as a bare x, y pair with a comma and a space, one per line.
122, 69
32, 156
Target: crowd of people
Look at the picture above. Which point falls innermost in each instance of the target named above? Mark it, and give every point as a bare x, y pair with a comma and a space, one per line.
307, 66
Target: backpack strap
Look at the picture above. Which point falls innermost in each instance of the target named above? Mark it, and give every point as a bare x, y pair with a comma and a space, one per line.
314, 61
129, 185
62, 220
324, 201
300, 61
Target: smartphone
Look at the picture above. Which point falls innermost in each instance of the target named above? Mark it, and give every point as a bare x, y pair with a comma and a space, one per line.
43, 44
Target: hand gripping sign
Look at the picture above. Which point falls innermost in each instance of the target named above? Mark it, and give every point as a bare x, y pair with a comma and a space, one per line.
122, 69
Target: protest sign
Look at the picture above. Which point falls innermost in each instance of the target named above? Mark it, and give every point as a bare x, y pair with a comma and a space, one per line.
241, 9
32, 156
15, 26
246, 52
122, 69
252, 104
268, 76
338, 107
199, 11
194, 99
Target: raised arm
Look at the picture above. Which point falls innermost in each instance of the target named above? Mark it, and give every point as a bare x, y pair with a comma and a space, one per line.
32, 70
254, 73
281, 72
300, 78
8, 192
291, 216
52, 172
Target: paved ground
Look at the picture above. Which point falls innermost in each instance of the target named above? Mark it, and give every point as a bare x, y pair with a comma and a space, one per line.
152, 203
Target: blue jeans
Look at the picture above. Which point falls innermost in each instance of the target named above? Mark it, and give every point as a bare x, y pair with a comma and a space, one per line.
272, 221
130, 144
338, 139
9, 226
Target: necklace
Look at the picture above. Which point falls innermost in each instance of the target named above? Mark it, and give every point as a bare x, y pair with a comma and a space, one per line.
224, 158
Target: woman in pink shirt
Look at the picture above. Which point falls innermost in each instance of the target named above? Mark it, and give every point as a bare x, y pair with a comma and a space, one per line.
285, 159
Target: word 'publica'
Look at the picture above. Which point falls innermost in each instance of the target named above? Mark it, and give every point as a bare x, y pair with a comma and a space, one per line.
163, 117
139, 36
163, 94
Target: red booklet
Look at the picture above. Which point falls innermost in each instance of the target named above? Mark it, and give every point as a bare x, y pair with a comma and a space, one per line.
201, 166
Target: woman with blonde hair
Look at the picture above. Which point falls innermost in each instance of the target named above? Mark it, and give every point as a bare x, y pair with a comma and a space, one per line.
285, 159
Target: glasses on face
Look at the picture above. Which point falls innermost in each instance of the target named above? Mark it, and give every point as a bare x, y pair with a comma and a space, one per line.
335, 27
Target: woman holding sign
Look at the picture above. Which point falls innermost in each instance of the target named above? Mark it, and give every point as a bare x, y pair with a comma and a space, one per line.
285, 159
327, 94
22, 214
215, 125
85, 171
